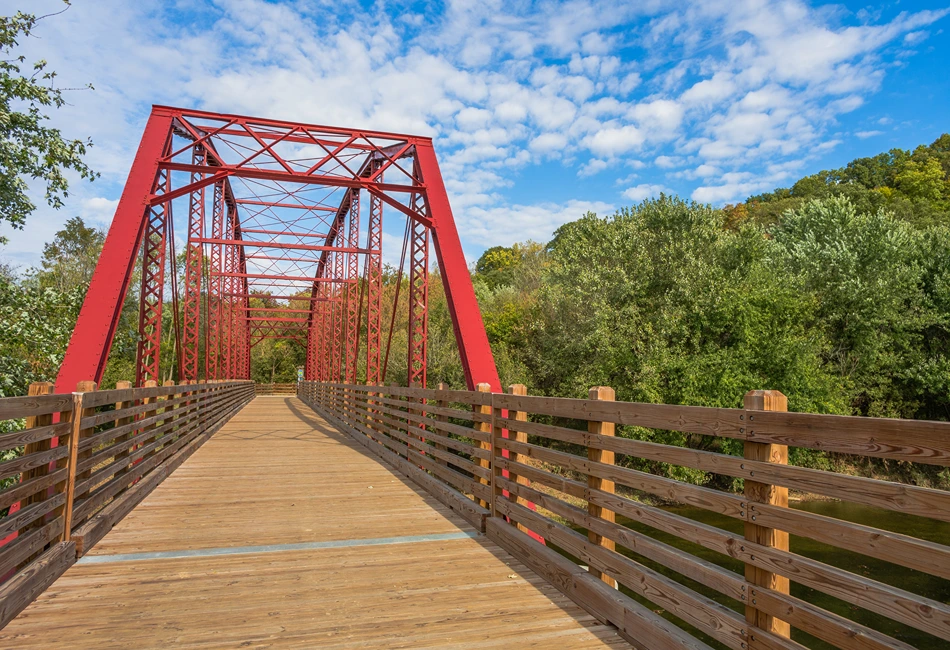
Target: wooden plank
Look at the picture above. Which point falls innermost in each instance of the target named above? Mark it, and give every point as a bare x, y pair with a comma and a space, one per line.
33, 512
908, 499
23, 588
922, 613
23, 490
517, 436
14, 408
706, 498
689, 419
32, 435
641, 627
14, 466
39, 426
21, 549
126, 395
911, 440
601, 393
756, 530
918, 441
834, 629
96, 528
701, 612
486, 428
460, 396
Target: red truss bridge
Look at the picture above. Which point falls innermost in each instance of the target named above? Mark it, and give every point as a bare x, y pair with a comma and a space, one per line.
287, 212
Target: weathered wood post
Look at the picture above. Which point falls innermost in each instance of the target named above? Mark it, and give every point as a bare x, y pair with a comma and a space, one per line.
441, 403
121, 422
514, 457
76, 436
756, 492
604, 394
33, 421
484, 427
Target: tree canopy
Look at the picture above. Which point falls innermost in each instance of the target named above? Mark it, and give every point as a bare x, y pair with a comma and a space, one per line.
29, 149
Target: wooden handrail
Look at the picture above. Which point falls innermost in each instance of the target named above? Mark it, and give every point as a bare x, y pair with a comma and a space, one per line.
87, 459
535, 456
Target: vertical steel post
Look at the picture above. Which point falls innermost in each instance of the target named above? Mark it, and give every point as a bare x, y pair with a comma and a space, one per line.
148, 357
352, 290
339, 317
213, 345
194, 260
418, 297
374, 290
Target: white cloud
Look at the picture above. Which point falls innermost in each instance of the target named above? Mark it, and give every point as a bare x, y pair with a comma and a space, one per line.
592, 167
867, 134
499, 85
549, 143
645, 191
494, 226
613, 141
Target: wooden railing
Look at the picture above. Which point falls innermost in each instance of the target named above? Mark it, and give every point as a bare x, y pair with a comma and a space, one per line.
275, 389
517, 468
80, 462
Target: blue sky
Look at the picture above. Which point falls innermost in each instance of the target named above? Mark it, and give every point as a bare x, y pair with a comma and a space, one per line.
540, 110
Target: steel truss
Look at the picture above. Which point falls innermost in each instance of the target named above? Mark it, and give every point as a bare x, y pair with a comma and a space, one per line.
274, 251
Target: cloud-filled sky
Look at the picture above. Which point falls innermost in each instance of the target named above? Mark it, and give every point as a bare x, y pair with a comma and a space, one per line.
541, 110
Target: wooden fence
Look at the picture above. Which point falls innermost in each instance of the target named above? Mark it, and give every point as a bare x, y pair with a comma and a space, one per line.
81, 461
275, 389
517, 468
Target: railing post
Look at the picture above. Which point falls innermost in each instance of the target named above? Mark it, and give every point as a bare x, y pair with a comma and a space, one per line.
441, 418
485, 427
514, 457
605, 394
76, 434
121, 422
756, 492
33, 421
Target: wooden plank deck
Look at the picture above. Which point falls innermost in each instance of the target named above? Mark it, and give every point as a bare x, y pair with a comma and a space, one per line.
282, 532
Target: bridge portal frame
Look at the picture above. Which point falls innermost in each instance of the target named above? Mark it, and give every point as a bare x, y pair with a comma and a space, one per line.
350, 161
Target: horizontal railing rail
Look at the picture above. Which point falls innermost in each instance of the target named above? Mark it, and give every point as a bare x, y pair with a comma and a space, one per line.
275, 389
75, 464
518, 468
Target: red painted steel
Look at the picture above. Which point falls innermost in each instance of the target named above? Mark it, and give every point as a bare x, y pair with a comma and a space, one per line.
352, 291
276, 185
89, 345
148, 356
477, 360
374, 291
418, 303
194, 263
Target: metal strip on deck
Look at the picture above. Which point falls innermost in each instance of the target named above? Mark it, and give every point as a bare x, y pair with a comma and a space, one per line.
272, 548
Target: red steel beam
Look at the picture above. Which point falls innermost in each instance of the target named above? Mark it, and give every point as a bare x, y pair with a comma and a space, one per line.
88, 349
283, 245
292, 206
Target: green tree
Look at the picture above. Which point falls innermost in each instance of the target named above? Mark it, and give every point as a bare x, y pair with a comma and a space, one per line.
70, 259
28, 148
922, 180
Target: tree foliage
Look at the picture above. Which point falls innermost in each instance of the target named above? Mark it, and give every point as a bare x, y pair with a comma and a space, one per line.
912, 185
29, 149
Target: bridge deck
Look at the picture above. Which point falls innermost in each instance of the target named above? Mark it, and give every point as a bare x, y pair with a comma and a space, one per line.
281, 532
